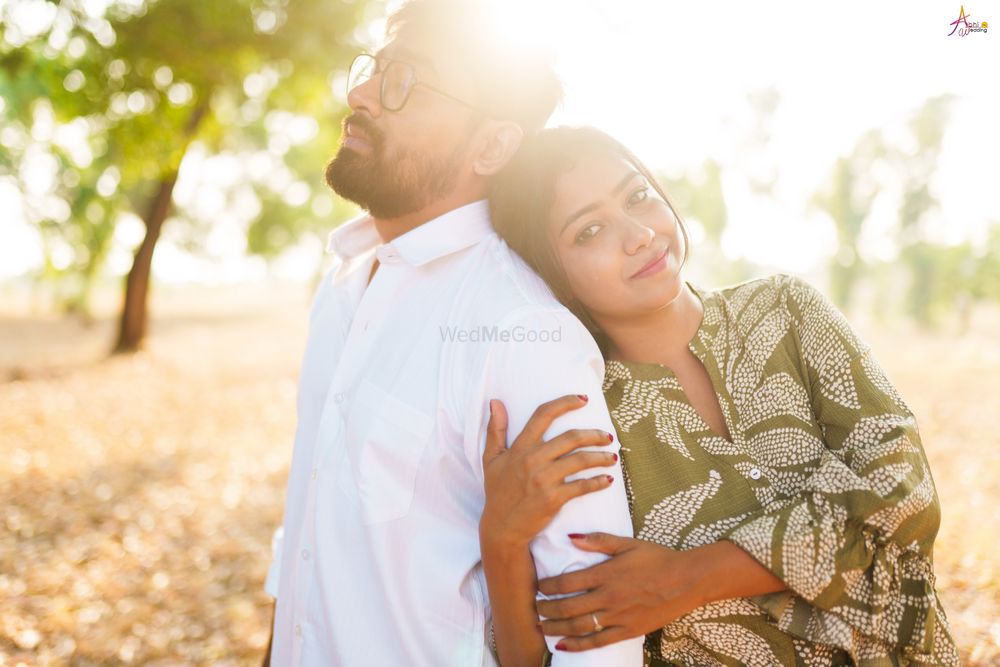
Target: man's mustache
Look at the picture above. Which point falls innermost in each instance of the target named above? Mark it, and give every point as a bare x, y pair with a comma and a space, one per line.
366, 126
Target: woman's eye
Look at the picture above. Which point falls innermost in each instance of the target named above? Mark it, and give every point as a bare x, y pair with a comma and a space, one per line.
639, 196
587, 232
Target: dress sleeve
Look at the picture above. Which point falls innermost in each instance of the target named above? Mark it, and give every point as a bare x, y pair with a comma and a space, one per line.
856, 542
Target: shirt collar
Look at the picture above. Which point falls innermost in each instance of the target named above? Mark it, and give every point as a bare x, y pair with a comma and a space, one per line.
455, 230
353, 238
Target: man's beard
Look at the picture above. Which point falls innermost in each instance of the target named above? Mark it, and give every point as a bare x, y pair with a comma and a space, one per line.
391, 186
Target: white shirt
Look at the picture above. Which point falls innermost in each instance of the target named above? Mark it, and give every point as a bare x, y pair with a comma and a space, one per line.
380, 561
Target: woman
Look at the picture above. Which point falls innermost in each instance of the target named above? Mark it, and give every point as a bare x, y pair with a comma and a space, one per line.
783, 507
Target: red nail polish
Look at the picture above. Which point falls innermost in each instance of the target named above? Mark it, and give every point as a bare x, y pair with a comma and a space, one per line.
560, 646
610, 478
611, 438
577, 536
583, 397
614, 457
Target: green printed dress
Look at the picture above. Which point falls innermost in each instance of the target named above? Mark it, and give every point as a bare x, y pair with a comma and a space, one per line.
824, 482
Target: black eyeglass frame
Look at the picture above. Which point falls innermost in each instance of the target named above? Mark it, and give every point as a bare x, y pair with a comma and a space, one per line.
386, 63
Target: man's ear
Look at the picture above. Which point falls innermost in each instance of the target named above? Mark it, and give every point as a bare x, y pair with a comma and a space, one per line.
501, 140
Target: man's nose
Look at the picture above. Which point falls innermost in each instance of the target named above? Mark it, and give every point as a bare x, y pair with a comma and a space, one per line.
635, 235
366, 96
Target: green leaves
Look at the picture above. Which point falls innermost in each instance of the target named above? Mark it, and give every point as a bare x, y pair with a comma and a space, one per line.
148, 80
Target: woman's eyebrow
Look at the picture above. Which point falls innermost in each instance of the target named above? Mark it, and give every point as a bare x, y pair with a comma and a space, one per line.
590, 207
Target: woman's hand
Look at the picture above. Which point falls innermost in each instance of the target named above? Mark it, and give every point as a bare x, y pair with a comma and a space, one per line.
525, 487
641, 588
525, 484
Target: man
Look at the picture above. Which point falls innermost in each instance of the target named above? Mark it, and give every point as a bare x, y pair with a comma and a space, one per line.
425, 317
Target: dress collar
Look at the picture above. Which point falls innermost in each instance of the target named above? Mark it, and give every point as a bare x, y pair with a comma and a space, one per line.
448, 233
701, 344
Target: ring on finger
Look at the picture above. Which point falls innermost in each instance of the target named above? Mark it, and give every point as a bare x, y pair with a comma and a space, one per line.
597, 626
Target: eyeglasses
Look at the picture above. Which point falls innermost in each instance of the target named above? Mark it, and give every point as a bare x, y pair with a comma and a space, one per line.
398, 79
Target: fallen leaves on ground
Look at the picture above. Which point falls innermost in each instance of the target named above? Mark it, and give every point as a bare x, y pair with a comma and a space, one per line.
140, 492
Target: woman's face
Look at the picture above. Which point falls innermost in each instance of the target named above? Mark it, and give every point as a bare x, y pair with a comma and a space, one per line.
618, 242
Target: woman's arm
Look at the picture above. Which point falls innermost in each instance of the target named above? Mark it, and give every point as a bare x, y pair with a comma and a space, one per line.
857, 542
510, 577
643, 587
525, 372
730, 572
525, 488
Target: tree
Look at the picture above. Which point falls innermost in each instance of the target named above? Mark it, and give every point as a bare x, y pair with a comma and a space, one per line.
847, 200
916, 166
701, 204
151, 80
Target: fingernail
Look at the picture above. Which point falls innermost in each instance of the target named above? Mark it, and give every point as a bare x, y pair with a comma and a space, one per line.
560, 646
491, 407
610, 478
583, 397
614, 457
611, 438
577, 536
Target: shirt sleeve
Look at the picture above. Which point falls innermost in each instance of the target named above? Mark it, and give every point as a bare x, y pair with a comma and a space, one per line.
856, 543
319, 299
547, 354
274, 571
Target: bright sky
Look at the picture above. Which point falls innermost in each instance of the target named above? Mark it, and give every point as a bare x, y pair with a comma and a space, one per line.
665, 77
670, 80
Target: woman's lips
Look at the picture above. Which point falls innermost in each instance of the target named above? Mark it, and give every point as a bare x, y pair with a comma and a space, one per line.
654, 266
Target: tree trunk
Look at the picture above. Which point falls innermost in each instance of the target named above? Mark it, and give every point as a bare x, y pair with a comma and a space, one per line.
132, 327
132, 324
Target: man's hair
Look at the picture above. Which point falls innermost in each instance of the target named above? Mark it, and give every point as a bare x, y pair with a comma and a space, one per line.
513, 82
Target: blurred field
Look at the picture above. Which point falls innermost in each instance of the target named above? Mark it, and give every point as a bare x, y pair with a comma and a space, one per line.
139, 494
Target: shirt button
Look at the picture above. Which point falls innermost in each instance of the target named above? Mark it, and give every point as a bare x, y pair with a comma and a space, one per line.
305, 554
314, 473
298, 629
338, 397
754, 473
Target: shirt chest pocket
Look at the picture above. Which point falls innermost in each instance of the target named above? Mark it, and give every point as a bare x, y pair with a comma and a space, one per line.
387, 438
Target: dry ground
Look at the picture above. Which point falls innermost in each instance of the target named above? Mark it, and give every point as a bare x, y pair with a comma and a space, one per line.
138, 494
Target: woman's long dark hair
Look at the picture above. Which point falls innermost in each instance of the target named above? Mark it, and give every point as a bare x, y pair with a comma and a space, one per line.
522, 197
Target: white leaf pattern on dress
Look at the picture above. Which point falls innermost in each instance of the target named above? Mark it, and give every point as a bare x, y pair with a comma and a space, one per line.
742, 644
782, 353
664, 523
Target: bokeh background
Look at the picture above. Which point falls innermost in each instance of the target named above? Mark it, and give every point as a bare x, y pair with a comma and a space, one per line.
162, 216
